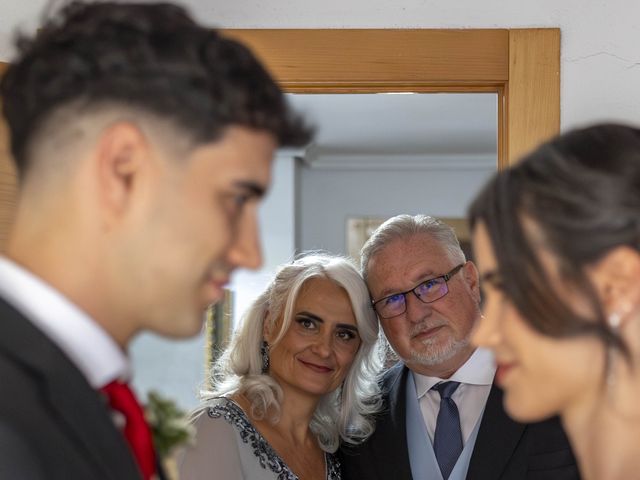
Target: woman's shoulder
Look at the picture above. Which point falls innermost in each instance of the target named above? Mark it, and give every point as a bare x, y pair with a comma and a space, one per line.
256, 452
223, 407
223, 410
216, 446
218, 415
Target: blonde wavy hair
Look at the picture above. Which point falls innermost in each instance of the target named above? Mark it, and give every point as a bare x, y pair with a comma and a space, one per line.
345, 414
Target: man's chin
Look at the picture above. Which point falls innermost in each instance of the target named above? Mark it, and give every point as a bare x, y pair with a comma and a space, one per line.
435, 356
186, 328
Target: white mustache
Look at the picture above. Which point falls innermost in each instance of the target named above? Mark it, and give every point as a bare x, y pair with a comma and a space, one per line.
418, 329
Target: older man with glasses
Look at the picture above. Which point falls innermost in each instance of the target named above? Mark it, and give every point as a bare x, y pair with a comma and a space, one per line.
444, 417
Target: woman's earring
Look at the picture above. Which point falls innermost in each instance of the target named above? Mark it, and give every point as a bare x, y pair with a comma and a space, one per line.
264, 352
614, 320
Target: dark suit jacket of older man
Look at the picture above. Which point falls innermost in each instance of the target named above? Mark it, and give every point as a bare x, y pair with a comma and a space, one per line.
53, 425
504, 449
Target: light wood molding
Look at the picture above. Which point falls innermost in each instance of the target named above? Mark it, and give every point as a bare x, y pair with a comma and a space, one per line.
533, 99
8, 183
332, 58
521, 65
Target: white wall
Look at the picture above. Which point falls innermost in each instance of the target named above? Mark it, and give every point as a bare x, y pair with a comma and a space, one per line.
329, 197
600, 56
277, 215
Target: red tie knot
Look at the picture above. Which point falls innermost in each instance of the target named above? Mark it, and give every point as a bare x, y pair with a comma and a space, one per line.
136, 430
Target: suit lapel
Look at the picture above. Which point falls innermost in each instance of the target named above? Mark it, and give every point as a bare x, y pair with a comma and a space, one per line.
87, 419
497, 439
78, 409
393, 457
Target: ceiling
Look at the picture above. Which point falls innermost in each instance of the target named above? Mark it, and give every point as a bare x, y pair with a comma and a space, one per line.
400, 129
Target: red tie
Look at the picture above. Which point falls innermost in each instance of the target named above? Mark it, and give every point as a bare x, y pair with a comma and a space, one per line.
136, 430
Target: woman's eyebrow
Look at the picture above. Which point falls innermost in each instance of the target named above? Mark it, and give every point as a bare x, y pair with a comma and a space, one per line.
348, 326
313, 316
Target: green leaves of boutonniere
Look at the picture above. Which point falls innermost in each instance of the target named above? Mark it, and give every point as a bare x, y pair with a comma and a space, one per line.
169, 424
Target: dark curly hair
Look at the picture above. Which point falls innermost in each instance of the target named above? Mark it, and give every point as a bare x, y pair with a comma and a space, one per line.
582, 191
151, 57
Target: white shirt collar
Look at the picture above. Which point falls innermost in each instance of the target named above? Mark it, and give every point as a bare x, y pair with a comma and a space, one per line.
87, 344
479, 369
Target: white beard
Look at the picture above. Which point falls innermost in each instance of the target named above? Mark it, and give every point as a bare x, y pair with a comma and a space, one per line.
437, 354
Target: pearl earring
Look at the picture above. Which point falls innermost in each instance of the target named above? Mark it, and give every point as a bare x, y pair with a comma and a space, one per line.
615, 320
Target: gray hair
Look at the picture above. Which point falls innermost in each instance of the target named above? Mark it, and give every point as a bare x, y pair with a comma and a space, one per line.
345, 413
405, 226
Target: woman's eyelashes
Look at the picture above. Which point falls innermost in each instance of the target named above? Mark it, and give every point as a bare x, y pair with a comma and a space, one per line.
307, 323
311, 324
346, 334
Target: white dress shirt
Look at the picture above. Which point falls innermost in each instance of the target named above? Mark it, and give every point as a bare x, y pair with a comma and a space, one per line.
86, 343
475, 377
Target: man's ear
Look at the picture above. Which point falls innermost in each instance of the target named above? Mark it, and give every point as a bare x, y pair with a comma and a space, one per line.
472, 278
617, 280
121, 153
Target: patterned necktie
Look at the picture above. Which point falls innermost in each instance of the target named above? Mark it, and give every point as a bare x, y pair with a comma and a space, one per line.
136, 429
447, 441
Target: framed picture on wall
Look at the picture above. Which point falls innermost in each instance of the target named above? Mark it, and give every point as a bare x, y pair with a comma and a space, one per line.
359, 229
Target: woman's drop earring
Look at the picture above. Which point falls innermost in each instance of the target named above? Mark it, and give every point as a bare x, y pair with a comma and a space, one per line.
264, 352
615, 320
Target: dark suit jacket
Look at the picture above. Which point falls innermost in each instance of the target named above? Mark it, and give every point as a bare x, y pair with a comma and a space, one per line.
53, 425
504, 449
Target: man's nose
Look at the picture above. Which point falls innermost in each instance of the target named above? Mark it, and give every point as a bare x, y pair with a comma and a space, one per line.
416, 308
245, 250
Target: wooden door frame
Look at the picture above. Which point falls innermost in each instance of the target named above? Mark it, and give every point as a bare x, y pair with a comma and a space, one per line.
521, 65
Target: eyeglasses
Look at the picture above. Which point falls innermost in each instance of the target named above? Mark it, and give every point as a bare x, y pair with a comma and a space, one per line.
427, 292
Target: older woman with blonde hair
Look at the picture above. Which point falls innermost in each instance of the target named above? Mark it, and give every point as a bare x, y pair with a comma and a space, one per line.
298, 378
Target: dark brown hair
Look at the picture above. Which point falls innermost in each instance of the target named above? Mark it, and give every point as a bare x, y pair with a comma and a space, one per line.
151, 57
582, 191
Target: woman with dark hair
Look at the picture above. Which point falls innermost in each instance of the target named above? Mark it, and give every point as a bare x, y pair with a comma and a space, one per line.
298, 378
557, 242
